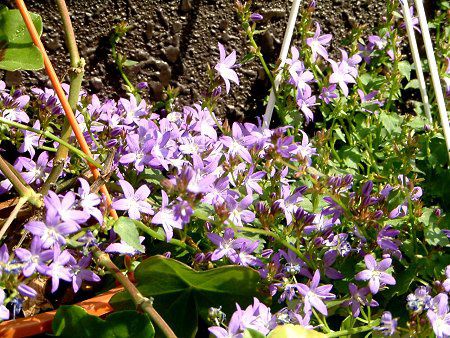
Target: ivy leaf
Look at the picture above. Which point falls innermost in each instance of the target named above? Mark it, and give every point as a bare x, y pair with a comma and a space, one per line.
20, 57
74, 321
16, 46
432, 232
128, 232
404, 68
175, 286
15, 29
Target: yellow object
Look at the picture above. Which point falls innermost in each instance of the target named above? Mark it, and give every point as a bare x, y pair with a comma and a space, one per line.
294, 331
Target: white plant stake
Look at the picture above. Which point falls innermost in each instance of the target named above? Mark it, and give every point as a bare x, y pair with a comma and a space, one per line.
283, 55
416, 58
434, 72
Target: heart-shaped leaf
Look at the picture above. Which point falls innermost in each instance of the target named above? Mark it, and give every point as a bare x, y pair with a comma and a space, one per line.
15, 29
26, 57
16, 46
126, 229
74, 321
181, 294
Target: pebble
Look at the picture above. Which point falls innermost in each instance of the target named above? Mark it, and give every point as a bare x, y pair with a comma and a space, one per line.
96, 83
172, 53
185, 5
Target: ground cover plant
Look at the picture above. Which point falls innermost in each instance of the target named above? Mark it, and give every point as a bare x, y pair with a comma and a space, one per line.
333, 222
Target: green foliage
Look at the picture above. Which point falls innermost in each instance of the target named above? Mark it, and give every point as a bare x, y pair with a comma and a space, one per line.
175, 286
74, 321
126, 229
17, 50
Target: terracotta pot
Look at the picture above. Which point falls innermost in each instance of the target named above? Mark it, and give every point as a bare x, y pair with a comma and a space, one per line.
42, 323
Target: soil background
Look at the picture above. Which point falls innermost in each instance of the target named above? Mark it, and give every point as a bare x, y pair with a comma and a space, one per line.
174, 40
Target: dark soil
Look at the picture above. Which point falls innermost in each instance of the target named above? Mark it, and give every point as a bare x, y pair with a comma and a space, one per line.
174, 40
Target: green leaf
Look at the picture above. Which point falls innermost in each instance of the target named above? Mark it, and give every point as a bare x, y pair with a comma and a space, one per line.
413, 84
351, 157
250, 333
389, 122
26, 57
74, 321
15, 29
128, 232
432, 232
129, 63
175, 286
404, 68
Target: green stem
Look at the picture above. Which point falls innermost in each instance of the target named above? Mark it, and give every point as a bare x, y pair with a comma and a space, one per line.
16, 180
142, 303
353, 331
55, 138
260, 56
280, 240
76, 79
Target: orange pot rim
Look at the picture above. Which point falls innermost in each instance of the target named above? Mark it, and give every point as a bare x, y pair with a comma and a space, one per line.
42, 323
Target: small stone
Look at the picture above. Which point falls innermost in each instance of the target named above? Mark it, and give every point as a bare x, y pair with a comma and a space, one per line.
177, 27
96, 83
185, 5
172, 53
149, 30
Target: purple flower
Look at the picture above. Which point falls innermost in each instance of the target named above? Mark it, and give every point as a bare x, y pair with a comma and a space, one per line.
341, 76
53, 231
80, 273
166, 217
26, 290
387, 241
256, 17
446, 283
388, 325
35, 258
440, 318
134, 202
226, 245
31, 140
4, 312
37, 172
328, 259
58, 269
257, 317
225, 67
358, 298
239, 212
244, 256
328, 93
132, 110
318, 43
314, 294
420, 300
375, 273
89, 201
65, 208
305, 100
414, 20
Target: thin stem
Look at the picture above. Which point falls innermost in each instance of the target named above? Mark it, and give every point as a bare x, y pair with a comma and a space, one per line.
434, 73
16, 180
416, 58
76, 79
142, 303
62, 98
278, 239
12, 216
352, 331
283, 54
55, 138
